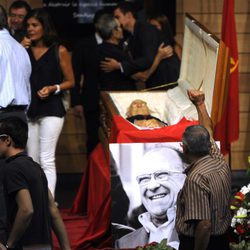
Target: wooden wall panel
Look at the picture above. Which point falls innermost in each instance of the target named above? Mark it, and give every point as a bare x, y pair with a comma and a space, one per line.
70, 144
209, 13
244, 102
71, 154
243, 144
211, 6
244, 62
244, 84
213, 22
203, 6
243, 42
72, 163
72, 124
244, 121
240, 160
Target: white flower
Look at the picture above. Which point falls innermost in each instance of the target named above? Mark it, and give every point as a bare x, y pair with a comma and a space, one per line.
233, 222
245, 189
242, 212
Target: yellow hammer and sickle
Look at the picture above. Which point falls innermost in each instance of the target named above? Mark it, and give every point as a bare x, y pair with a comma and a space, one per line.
233, 65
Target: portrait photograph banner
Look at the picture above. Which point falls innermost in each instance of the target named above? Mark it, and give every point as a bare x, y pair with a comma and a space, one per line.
145, 181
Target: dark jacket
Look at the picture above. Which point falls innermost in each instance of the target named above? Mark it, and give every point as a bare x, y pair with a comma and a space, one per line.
143, 45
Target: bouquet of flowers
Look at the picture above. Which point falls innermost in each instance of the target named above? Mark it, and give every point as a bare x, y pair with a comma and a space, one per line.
241, 218
156, 246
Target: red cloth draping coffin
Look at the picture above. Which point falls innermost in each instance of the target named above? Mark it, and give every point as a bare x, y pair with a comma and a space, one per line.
94, 199
124, 132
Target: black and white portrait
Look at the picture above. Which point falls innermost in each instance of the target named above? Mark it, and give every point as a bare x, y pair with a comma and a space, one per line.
146, 179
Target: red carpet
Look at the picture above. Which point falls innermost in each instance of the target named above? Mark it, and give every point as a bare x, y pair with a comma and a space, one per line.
75, 226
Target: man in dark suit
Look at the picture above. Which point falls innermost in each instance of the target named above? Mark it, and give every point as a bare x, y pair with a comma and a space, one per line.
85, 97
111, 32
143, 43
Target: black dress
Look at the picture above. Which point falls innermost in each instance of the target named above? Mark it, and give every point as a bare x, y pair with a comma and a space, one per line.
45, 71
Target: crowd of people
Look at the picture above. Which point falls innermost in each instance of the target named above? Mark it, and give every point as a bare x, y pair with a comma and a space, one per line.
35, 70
122, 54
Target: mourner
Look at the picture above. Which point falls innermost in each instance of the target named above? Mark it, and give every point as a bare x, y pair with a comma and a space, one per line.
203, 213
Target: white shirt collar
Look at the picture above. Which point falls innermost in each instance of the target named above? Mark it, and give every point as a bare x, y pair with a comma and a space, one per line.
4, 31
166, 230
98, 38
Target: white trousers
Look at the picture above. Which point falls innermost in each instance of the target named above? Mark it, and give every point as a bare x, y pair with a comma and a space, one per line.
42, 140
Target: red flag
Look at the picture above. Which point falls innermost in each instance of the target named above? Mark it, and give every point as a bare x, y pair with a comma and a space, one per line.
227, 130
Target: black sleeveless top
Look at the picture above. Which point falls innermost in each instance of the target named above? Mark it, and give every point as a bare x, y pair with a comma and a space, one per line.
45, 71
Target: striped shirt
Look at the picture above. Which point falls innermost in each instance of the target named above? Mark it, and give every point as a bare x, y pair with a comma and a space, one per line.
15, 70
205, 195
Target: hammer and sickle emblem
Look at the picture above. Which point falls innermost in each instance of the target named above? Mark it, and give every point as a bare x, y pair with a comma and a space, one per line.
233, 65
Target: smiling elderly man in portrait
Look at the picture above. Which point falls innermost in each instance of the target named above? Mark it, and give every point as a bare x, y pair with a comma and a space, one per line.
160, 177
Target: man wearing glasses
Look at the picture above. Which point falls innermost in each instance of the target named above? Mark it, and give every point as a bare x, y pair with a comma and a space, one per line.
160, 177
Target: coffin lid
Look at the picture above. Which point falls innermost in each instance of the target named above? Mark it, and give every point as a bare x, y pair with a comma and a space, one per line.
204, 66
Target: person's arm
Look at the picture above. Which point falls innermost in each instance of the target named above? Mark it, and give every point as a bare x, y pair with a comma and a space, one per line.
23, 217
67, 70
202, 234
110, 64
197, 97
2, 247
163, 52
26, 42
57, 224
68, 76
146, 39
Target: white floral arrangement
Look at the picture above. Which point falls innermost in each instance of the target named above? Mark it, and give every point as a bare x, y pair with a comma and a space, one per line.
241, 218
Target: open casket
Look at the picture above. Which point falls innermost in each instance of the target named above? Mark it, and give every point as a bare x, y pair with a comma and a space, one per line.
204, 66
